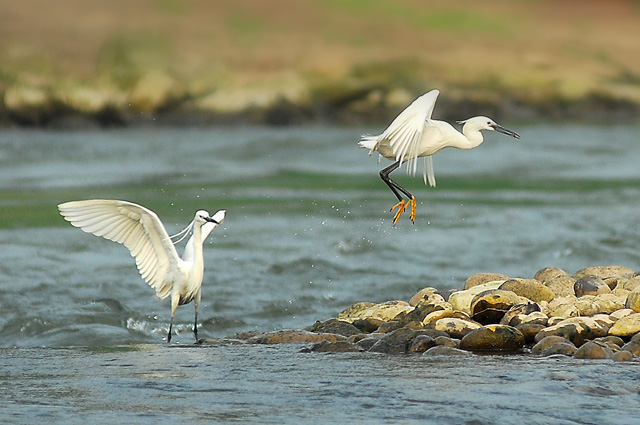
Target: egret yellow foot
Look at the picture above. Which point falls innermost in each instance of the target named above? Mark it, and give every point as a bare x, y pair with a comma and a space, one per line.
412, 214
402, 206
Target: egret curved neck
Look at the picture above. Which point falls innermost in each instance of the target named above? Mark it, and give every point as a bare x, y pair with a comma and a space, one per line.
473, 138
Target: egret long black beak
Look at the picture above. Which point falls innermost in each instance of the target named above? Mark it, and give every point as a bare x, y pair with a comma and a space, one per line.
211, 220
501, 129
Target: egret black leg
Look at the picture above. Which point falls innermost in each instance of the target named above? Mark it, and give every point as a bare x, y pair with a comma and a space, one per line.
395, 187
384, 175
195, 326
169, 334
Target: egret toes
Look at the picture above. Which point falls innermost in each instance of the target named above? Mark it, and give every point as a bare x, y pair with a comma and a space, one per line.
402, 206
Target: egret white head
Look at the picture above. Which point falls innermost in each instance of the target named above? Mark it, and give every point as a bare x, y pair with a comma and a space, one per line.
486, 123
202, 217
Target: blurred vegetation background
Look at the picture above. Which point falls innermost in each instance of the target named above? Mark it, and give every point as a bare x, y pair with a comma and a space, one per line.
118, 62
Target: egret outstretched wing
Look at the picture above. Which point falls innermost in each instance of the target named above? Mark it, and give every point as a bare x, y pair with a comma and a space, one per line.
137, 228
405, 132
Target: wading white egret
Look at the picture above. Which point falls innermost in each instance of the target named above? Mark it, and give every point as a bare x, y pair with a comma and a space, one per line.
413, 134
142, 232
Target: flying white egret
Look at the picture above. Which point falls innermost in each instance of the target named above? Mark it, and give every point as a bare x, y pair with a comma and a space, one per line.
413, 134
142, 232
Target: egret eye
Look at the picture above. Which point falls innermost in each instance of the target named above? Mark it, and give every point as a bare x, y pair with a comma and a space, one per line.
488, 122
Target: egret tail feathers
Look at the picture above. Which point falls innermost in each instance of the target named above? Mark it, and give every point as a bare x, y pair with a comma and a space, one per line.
369, 142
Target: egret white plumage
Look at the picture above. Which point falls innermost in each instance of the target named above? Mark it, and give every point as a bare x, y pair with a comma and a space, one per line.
413, 134
142, 232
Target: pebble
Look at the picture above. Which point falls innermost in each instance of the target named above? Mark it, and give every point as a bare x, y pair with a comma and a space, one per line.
593, 350
293, 336
529, 288
633, 300
604, 272
547, 342
548, 273
561, 286
335, 326
564, 348
333, 347
482, 278
590, 285
455, 327
575, 329
627, 326
421, 343
493, 338
443, 350
622, 356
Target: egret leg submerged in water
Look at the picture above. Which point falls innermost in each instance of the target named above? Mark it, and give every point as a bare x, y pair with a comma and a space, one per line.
413, 134
142, 232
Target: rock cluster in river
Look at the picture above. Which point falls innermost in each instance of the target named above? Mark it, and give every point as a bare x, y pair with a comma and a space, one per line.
594, 313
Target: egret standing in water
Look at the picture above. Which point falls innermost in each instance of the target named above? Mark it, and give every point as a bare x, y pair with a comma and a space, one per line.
413, 134
142, 232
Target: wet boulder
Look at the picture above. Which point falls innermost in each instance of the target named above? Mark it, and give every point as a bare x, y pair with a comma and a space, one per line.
617, 315
455, 327
520, 313
483, 278
425, 294
529, 288
354, 311
629, 284
334, 326
633, 300
396, 342
622, 356
368, 342
461, 300
493, 338
563, 307
443, 350
633, 347
547, 342
548, 273
448, 341
593, 350
561, 286
626, 326
333, 347
421, 343
293, 336
530, 330
367, 325
490, 306
604, 272
441, 314
590, 285
423, 308
564, 348
575, 329
384, 311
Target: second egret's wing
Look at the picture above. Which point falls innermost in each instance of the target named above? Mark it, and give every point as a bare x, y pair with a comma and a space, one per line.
137, 228
206, 229
405, 132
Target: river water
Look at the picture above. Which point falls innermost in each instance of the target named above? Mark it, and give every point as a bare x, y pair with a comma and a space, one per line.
308, 233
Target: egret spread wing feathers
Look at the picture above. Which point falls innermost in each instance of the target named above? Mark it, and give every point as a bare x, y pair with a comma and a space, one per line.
414, 134
137, 228
142, 232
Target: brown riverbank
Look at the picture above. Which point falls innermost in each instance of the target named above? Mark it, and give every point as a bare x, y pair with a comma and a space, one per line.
349, 62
